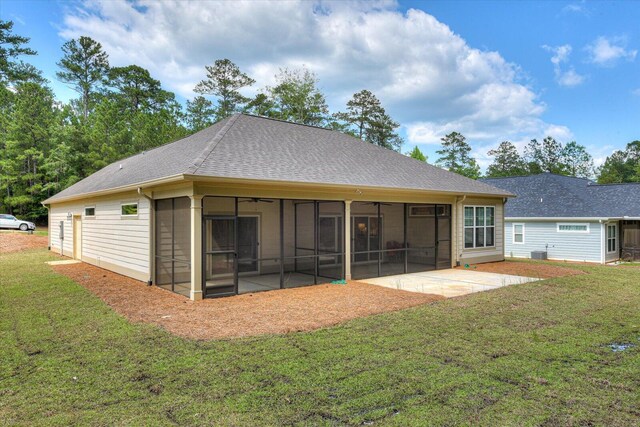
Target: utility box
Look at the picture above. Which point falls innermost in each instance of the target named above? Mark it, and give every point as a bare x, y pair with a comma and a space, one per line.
539, 255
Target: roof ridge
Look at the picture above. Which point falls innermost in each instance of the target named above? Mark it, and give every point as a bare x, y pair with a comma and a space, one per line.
290, 123
212, 145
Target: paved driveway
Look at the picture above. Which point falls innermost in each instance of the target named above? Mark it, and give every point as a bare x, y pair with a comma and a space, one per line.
449, 283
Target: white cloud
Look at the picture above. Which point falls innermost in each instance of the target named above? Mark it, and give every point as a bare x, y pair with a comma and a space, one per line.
564, 77
607, 51
427, 77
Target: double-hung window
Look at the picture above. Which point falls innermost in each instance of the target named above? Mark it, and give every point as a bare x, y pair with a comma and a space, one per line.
612, 238
518, 234
479, 226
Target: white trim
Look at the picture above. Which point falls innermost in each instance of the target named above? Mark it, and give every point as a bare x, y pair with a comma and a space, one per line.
603, 243
569, 219
474, 226
513, 233
122, 204
573, 224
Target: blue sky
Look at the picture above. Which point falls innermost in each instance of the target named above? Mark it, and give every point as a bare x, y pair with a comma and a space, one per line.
491, 70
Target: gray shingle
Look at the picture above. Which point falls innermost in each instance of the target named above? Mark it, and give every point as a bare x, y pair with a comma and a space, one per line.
251, 147
557, 196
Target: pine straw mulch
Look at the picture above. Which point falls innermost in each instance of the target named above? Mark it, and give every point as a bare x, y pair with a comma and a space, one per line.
15, 241
271, 312
527, 269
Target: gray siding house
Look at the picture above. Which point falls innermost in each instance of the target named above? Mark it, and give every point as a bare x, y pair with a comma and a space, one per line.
572, 219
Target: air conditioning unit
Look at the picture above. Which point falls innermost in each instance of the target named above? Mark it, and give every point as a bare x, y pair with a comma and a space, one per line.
538, 254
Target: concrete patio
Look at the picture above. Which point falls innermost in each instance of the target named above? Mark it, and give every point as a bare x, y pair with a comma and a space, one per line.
449, 283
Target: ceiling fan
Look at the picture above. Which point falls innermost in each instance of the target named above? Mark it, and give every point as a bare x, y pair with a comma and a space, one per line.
255, 200
377, 203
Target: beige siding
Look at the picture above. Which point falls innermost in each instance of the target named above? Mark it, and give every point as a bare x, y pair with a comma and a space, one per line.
471, 256
109, 240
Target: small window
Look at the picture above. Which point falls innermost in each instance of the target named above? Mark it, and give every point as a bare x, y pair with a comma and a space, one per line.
418, 211
90, 211
130, 209
573, 228
518, 234
612, 238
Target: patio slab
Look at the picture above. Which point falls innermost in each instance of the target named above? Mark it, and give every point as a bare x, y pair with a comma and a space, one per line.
449, 283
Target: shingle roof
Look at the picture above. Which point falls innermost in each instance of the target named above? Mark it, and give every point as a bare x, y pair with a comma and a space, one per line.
251, 147
557, 196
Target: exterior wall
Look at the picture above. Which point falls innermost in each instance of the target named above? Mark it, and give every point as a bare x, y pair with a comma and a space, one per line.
120, 244
480, 255
583, 247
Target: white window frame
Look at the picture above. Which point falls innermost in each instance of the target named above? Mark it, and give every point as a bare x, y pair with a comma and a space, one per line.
474, 226
513, 234
581, 224
85, 212
615, 238
129, 215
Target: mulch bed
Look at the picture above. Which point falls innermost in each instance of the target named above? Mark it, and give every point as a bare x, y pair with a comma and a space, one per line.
271, 312
538, 270
15, 241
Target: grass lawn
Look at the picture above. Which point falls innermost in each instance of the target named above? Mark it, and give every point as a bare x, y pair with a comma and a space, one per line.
534, 354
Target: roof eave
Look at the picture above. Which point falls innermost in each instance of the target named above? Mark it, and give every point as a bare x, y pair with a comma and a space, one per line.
203, 178
121, 189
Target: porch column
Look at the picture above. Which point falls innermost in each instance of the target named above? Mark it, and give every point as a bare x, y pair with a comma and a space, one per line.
196, 248
347, 239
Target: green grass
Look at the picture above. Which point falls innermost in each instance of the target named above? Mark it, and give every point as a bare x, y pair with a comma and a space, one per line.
36, 232
532, 354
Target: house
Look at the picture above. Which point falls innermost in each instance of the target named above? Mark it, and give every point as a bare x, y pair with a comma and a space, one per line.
571, 218
253, 203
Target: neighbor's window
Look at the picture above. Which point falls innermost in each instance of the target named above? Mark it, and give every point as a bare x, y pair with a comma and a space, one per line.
479, 226
130, 209
612, 237
518, 233
573, 228
90, 211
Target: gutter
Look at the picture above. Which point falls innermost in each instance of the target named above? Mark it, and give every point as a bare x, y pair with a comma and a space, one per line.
569, 218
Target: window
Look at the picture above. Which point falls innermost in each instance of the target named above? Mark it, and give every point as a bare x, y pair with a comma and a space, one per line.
612, 237
573, 228
479, 226
422, 210
518, 234
129, 209
90, 211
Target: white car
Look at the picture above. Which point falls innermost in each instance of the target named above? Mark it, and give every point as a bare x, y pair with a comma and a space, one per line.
10, 221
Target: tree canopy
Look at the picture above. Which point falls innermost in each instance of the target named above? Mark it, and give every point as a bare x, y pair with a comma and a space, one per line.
455, 156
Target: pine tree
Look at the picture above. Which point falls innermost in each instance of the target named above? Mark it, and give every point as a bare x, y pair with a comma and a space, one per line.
455, 156
224, 80
297, 99
84, 66
507, 161
417, 154
200, 113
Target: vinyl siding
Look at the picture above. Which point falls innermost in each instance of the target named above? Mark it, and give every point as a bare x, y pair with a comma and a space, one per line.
561, 245
476, 255
109, 240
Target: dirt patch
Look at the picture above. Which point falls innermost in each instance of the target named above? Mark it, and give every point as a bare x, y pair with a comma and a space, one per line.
528, 269
15, 241
272, 312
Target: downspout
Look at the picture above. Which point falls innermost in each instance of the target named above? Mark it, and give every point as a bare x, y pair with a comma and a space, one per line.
459, 238
151, 242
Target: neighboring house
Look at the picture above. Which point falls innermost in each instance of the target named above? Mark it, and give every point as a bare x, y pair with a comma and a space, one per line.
572, 219
252, 204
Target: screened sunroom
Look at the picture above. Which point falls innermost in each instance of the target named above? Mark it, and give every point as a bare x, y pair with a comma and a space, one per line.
259, 244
